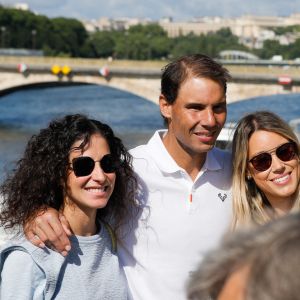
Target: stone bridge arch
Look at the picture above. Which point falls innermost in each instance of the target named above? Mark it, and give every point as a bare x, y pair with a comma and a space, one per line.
147, 88
142, 84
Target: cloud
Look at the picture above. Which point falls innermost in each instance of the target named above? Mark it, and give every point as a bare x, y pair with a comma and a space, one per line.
156, 9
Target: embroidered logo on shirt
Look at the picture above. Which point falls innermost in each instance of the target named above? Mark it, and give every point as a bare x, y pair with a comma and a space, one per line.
222, 197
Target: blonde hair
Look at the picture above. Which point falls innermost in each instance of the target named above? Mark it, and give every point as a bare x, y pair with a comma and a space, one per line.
249, 203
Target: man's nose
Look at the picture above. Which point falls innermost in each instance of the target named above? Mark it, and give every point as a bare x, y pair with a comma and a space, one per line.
209, 118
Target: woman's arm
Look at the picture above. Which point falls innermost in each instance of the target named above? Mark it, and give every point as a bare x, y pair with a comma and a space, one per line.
49, 227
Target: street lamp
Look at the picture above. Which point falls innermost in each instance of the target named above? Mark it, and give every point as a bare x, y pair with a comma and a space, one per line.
33, 34
126, 44
3, 29
149, 36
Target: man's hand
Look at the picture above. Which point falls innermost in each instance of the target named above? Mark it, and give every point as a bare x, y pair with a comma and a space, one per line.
49, 227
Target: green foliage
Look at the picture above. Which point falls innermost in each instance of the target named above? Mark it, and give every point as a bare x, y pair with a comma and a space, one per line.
293, 50
210, 44
68, 37
142, 42
24, 29
16, 28
102, 44
184, 44
270, 48
286, 29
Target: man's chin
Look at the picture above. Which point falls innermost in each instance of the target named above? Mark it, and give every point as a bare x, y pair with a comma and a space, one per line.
206, 147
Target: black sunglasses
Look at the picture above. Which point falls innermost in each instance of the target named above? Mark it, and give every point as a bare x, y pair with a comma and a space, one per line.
263, 161
84, 165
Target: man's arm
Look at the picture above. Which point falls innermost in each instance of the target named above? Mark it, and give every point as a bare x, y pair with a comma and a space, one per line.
49, 227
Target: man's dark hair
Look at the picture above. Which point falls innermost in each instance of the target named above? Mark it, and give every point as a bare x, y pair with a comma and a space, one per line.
195, 65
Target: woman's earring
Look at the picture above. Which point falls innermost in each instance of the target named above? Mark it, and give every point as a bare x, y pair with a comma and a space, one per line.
249, 177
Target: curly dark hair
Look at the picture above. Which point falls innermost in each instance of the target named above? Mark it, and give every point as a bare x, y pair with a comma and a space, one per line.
37, 181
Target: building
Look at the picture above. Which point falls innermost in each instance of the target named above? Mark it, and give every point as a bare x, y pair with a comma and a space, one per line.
108, 24
252, 31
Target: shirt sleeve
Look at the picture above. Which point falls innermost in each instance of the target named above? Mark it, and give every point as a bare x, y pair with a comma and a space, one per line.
21, 278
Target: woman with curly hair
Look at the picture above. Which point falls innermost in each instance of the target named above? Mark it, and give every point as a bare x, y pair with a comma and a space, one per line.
78, 166
266, 169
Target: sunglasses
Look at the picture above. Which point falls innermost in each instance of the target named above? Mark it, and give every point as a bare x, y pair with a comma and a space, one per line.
84, 165
263, 161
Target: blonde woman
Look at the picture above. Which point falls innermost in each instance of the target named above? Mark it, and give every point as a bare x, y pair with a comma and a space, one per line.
266, 169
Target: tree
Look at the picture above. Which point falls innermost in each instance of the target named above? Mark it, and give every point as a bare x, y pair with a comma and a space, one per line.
293, 51
270, 48
142, 42
210, 44
102, 44
69, 36
184, 45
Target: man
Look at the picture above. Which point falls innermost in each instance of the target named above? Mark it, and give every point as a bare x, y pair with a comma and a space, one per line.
261, 263
184, 184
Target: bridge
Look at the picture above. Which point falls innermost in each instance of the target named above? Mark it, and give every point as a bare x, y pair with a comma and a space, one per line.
141, 81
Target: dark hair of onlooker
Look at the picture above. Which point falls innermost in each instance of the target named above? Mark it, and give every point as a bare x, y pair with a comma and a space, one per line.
40, 175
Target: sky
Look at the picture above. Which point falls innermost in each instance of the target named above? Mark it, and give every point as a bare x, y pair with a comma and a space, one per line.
156, 9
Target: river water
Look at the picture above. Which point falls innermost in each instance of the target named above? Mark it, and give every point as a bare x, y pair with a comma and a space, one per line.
134, 119
23, 113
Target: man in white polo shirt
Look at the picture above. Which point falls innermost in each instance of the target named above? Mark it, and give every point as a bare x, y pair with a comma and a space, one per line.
184, 183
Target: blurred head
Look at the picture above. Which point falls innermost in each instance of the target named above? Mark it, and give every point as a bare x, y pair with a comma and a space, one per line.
261, 263
46, 174
193, 102
265, 166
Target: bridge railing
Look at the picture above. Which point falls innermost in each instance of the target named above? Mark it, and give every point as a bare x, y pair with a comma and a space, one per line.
260, 62
258, 78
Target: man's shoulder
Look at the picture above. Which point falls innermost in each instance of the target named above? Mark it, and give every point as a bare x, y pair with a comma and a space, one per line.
223, 157
136, 151
222, 154
153, 146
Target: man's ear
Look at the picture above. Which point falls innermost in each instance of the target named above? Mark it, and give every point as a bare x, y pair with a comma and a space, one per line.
165, 107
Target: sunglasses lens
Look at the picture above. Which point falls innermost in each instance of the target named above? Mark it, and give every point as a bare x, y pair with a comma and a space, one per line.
286, 152
83, 166
109, 164
262, 162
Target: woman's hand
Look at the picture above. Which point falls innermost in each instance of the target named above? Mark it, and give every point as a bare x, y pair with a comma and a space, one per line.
49, 227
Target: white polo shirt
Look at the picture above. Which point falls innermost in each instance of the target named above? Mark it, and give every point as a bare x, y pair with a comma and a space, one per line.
180, 220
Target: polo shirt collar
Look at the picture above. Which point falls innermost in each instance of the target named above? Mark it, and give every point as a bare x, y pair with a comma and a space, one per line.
166, 163
214, 161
